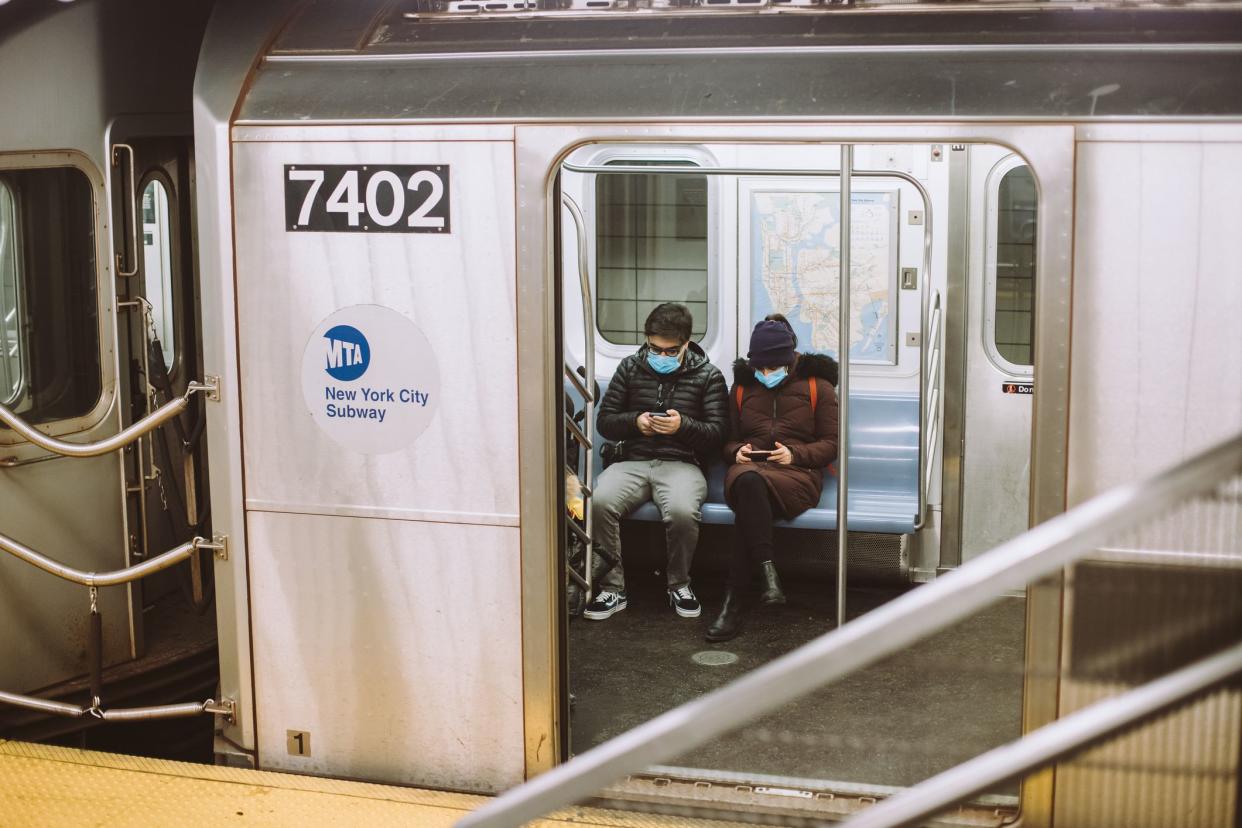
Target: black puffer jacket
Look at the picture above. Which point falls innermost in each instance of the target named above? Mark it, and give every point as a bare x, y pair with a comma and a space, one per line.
696, 391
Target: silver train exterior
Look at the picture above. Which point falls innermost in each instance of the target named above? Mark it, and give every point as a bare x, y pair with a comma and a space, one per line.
402, 602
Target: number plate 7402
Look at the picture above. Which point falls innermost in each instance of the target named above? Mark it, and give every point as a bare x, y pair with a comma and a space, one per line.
355, 198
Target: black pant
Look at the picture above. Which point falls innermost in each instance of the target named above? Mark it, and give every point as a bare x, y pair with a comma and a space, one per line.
755, 509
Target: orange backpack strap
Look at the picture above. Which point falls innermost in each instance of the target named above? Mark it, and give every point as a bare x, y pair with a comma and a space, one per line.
738, 394
814, 394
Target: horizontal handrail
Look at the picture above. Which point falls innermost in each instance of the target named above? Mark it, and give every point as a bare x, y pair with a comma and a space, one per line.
108, 445
578, 433
119, 714
1050, 743
102, 579
579, 385
916, 615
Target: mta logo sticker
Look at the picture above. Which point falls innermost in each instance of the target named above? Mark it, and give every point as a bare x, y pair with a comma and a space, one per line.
348, 354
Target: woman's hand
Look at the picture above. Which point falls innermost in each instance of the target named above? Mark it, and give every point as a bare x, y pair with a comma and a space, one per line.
781, 454
743, 455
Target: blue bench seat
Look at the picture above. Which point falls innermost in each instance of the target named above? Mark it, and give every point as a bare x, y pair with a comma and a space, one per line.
883, 473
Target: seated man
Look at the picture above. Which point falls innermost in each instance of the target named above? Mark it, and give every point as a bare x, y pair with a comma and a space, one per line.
669, 407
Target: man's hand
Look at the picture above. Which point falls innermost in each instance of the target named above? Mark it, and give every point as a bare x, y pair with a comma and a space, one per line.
743, 454
666, 425
644, 425
781, 455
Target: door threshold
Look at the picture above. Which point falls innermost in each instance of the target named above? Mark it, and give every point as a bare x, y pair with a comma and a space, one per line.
756, 797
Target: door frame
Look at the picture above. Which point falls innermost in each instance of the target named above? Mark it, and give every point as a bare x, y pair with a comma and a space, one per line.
539, 150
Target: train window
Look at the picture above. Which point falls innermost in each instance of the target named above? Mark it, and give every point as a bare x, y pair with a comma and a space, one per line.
651, 247
157, 265
1013, 312
11, 350
48, 216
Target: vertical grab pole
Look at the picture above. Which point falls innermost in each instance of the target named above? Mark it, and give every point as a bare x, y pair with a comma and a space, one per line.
843, 397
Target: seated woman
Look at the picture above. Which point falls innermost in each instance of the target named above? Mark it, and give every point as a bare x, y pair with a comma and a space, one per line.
783, 434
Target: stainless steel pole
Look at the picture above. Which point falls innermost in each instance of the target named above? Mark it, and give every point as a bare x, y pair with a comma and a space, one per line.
1042, 747
843, 388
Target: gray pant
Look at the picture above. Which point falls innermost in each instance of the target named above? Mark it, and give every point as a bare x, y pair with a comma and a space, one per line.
678, 490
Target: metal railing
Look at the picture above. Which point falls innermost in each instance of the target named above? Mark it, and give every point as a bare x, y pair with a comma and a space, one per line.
914, 616
93, 581
116, 577
585, 436
929, 398
121, 714
110, 444
1062, 738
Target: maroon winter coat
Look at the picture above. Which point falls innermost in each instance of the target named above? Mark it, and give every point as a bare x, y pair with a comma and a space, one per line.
783, 414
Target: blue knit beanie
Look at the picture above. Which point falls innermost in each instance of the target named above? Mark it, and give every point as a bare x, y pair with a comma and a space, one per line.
771, 345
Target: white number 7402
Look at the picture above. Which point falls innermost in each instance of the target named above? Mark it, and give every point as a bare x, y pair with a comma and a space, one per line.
316, 179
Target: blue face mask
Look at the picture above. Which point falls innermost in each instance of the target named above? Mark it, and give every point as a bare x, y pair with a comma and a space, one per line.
773, 379
663, 364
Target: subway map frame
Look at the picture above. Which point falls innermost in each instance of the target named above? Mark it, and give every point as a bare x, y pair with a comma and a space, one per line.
788, 238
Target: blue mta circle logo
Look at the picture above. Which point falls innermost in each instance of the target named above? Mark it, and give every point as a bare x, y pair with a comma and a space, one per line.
348, 353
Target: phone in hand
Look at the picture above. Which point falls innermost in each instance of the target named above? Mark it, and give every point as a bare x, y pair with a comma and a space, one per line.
758, 456
657, 414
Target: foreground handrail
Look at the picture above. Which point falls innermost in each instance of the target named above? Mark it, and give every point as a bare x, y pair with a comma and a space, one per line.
1050, 743
102, 579
119, 440
882, 632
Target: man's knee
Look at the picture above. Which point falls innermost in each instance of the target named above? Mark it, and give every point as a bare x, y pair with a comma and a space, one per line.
606, 506
683, 514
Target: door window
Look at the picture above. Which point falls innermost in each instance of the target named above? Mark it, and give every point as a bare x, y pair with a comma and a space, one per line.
11, 351
49, 311
1013, 319
157, 265
651, 243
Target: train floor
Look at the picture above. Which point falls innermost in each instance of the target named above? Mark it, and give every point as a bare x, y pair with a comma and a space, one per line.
895, 723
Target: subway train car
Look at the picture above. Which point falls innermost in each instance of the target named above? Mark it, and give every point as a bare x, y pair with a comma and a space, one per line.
306, 309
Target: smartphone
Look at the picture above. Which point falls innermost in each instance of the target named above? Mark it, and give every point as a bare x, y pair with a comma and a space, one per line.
759, 456
656, 414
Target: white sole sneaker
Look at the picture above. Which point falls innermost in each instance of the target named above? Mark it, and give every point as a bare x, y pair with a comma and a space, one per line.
600, 615
694, 613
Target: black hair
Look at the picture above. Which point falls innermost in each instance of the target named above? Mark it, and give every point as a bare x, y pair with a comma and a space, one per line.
670, 320
780, 317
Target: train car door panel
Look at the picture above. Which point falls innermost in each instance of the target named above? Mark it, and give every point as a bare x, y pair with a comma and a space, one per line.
379, 403
57, 352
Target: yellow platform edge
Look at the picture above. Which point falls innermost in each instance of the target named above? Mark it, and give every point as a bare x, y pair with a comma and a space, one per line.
45, 785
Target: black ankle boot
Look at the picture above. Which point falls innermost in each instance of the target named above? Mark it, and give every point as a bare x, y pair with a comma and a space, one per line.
772, 592
729, 623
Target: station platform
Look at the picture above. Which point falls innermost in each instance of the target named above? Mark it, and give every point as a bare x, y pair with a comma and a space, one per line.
42, 786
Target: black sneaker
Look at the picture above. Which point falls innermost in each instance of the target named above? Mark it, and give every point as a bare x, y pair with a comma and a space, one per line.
605, 605
684, 602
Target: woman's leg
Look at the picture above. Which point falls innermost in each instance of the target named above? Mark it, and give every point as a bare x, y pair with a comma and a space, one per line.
752, 508
753, 512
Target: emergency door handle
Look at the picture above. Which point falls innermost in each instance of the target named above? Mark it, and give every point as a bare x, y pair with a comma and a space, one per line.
121, 270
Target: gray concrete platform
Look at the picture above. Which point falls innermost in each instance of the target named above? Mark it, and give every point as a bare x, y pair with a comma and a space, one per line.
894, 724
